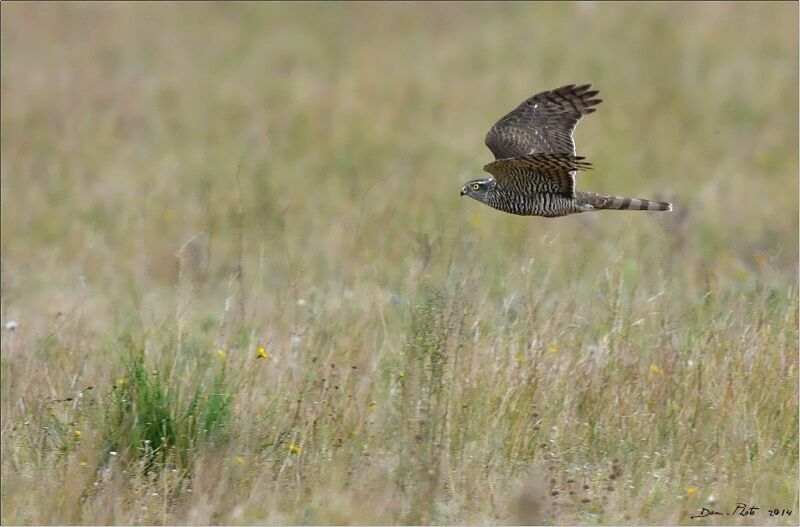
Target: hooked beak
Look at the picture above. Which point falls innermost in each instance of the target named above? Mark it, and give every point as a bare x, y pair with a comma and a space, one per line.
463, 190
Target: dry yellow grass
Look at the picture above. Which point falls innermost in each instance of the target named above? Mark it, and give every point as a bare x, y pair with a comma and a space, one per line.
186, 184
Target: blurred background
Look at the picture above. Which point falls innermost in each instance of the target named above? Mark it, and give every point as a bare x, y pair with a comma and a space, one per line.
353, 127
219, 177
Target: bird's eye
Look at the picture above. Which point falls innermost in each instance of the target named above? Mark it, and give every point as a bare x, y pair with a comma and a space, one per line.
475, 186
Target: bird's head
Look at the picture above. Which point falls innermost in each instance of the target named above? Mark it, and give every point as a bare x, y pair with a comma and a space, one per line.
478, 189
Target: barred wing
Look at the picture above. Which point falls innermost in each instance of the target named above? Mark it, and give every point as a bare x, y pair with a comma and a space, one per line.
539, 173
543, 123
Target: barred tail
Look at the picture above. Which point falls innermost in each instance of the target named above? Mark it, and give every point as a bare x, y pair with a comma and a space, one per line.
592, 201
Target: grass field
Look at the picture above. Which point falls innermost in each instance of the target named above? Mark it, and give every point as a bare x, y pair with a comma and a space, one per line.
239, 285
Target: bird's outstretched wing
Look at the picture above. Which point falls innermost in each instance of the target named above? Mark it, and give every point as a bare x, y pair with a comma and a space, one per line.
539, 173
543, 123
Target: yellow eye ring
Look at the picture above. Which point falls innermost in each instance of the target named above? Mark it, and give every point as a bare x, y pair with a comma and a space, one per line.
475, 186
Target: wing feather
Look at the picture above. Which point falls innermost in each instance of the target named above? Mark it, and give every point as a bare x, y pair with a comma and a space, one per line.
542, 124
545, 173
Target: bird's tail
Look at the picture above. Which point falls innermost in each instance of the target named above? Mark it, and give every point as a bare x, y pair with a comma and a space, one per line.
592, 201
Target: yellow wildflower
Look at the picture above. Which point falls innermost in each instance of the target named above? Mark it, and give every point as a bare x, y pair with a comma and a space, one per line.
121, 380
475, 220
222, 354
262, 353
84, 463
655, 369
77, 433
239, 459
295, 449
691, 491
553, 349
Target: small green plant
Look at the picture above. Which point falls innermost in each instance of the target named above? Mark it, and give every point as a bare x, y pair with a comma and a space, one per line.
157, 414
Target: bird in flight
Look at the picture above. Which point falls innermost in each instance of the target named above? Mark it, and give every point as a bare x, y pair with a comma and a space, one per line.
535, 163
